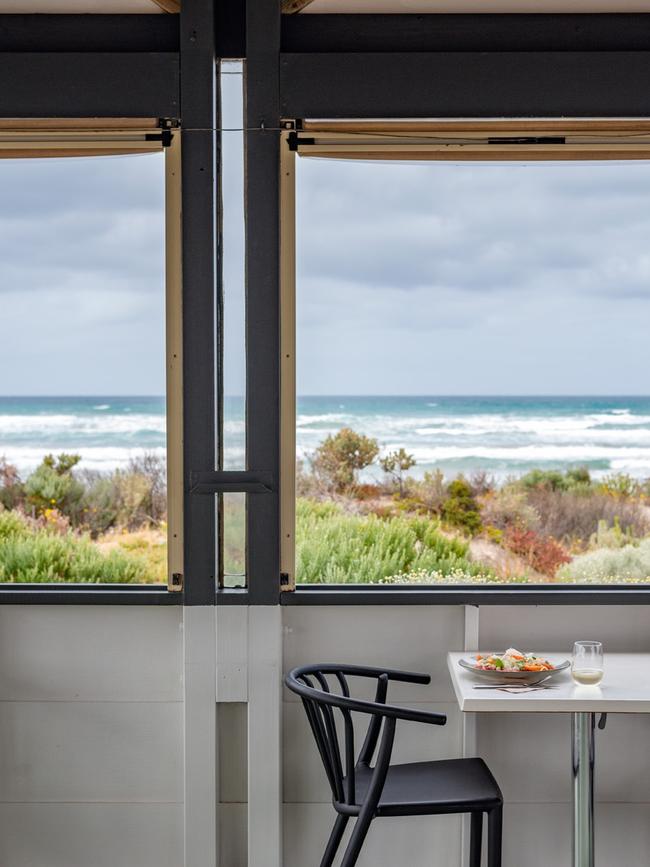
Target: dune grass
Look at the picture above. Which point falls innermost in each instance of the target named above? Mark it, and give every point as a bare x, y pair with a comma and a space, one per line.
335, 547
30, 554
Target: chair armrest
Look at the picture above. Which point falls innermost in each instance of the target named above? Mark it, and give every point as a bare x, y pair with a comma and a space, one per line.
364, 671
409, 714
373, 708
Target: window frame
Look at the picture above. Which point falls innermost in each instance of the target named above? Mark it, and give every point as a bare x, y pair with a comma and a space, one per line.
595, 139
29, 139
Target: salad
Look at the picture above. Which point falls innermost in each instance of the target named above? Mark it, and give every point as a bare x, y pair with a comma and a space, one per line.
512, 660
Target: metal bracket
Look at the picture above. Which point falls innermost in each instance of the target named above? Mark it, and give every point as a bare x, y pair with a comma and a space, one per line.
175, 582
231, 481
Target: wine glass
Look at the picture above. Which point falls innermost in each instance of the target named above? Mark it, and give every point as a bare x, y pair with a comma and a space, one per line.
587, 667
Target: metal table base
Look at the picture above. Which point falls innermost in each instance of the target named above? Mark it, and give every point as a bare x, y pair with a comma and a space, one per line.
583, 754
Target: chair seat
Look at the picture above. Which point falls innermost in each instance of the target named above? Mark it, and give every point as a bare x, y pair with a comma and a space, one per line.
447, 786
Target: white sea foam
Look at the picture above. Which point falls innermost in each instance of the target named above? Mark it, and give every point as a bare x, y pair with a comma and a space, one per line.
330, 418
103, 459
52, 424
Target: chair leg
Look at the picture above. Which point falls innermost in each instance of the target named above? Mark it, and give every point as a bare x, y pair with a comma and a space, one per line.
495, 823
334, 841
356, 839
475, 840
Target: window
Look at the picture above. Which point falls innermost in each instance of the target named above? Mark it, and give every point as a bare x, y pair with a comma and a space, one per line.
83, 430
472, 397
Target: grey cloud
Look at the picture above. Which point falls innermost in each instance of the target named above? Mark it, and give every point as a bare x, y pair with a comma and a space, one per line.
512, 279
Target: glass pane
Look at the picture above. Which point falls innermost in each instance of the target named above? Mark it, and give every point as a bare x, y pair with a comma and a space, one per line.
234, 287
234, 539
472, 372
82, 370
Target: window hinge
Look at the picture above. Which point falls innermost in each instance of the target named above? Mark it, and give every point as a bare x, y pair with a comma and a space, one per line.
164, 136
175, 583
285, 582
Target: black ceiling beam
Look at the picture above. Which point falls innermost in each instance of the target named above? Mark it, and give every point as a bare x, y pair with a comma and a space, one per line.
416, 33
89, 33
496, 32
333, 33
468, 84
89, 85
230, 24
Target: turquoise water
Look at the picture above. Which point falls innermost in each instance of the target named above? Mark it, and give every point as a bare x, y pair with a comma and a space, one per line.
503, 435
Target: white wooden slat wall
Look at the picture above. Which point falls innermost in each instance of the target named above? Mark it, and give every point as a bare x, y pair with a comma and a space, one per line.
91, 736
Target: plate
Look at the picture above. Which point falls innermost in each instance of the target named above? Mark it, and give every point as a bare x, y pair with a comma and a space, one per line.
515, 676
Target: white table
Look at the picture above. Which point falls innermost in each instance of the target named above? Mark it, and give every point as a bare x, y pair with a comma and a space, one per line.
625, 688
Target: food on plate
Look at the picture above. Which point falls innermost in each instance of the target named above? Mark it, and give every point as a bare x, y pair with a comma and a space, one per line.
512, 660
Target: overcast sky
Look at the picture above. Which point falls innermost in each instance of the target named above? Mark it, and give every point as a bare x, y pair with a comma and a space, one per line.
412, 279
473, 279
82, 276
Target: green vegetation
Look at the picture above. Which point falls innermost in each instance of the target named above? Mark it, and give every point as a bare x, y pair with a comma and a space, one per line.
62, 523
340, 457
395, 465
32, 553
335, 547
629, 564
460, 509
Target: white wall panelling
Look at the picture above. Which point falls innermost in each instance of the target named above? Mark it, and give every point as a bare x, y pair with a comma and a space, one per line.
264, 736
91, 734
200, 739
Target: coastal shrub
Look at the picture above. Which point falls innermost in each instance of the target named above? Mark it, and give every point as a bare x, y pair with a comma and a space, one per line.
99, 507
629, 563
130, 498
481, 483
335, 547
13, 525
543, 553
11, 488
152, 469
620, 485
575, 517
460, 509
340, 457
615, 536
430, 491
52, 484
554, 480
395, 465
508, 507
29, 554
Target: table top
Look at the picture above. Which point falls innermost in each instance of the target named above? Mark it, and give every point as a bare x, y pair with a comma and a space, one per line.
625, 688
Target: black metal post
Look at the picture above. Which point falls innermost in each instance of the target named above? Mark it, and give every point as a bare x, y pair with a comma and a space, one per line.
263, 292
198, 108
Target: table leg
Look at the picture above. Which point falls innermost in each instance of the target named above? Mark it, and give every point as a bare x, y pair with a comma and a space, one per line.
582, 740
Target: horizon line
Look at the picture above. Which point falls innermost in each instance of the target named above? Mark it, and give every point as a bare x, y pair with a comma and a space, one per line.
585, 394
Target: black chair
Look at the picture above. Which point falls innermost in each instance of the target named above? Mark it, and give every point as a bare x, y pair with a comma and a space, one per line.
418, 789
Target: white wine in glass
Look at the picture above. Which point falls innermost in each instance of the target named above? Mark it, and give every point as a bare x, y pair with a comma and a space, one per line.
587, 667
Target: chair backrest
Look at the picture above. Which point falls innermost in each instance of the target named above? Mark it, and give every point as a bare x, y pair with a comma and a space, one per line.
320, 687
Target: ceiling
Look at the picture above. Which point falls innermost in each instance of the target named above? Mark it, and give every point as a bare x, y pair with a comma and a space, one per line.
80, 6
317, 6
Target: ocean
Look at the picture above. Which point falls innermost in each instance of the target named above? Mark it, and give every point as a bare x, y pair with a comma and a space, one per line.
503, 435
